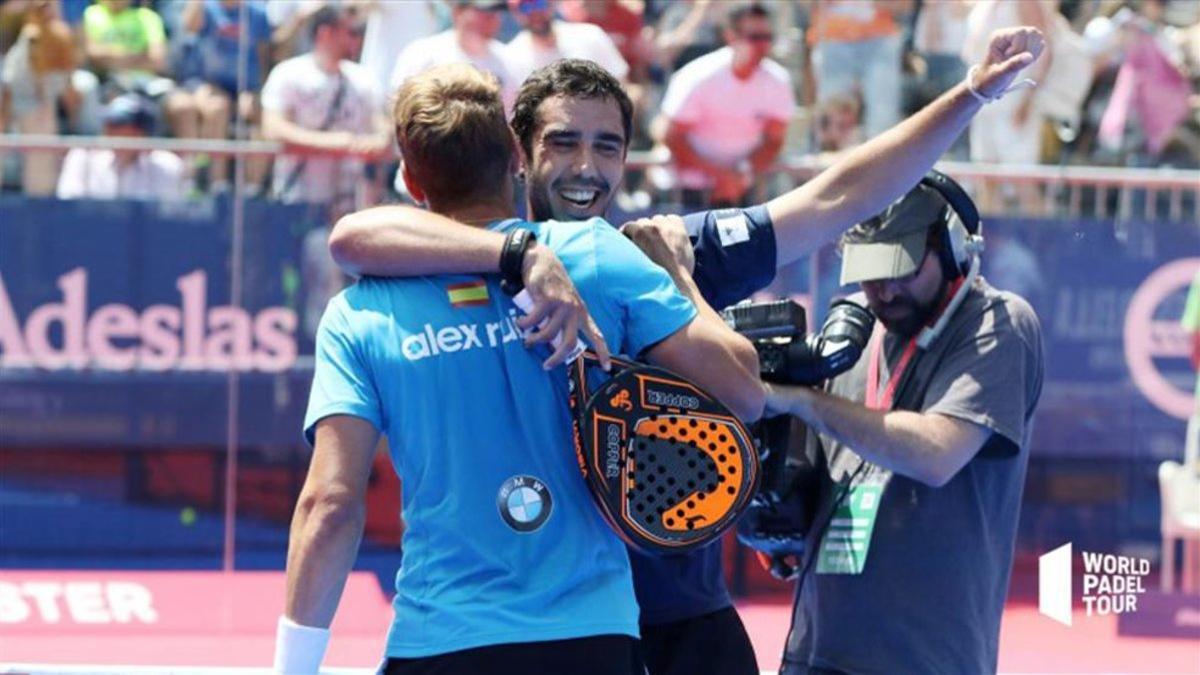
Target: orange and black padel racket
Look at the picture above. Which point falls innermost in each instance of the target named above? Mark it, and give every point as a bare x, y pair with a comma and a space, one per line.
670, 467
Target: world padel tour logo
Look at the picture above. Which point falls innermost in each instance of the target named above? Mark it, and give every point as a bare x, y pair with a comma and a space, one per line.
524, 503
1111, 583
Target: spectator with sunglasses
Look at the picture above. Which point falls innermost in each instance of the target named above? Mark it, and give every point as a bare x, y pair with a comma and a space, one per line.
727, 113
322, 101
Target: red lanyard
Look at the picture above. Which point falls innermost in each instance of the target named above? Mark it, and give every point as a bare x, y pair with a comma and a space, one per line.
885, 402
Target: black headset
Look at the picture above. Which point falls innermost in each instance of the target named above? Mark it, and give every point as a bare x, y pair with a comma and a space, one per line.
961, 230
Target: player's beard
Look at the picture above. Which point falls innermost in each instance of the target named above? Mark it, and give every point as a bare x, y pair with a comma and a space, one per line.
919, 314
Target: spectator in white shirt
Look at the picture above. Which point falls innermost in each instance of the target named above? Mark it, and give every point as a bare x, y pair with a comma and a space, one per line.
392, 26
471, 39
727, 113
323, 102
123, 174
545, 40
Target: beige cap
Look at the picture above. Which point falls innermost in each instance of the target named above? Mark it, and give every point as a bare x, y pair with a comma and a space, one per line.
897, 247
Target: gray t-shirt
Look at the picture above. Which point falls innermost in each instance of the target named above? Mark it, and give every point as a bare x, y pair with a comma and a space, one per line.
932, 590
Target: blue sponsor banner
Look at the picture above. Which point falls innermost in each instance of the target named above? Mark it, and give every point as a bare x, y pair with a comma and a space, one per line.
1110, 297
116, 327
1160, 614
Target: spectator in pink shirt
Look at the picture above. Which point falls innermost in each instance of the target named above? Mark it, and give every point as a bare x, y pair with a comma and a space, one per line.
1151, 91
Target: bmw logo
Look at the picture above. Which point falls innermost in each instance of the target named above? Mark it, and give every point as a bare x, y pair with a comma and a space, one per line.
524, 503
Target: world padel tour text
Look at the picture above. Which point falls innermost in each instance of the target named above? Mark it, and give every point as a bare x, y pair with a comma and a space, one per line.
1112, 583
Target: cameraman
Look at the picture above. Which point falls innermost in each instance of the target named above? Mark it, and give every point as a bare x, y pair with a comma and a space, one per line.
925, 442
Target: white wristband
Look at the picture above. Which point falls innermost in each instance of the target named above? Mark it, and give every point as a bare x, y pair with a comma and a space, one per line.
299, 649
523, 301
984, 98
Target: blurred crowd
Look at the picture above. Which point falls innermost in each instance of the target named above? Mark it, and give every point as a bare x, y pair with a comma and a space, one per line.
727, 86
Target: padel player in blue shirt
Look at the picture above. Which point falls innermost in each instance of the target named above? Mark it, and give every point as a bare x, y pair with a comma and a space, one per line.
507, 564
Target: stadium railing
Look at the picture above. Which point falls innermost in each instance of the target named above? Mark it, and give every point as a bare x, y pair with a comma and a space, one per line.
1071, 191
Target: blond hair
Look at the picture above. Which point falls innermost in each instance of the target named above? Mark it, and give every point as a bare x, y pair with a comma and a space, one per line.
452, 132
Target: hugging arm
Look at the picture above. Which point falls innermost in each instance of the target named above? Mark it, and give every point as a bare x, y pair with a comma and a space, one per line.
406, 241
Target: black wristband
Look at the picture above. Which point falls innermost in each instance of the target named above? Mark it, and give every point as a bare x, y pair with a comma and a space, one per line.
512, 259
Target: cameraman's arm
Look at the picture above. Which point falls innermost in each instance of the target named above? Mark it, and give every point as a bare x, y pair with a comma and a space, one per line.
927, 447
980, 398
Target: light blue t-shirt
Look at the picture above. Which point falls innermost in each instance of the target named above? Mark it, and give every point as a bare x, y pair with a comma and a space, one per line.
502, 541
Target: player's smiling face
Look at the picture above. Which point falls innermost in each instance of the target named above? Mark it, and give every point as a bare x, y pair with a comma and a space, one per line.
578, 158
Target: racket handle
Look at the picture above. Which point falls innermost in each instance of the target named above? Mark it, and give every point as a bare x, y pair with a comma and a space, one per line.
525, 304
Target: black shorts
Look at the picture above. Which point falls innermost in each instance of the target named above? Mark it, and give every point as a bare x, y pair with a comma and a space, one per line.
712, 643
597, 655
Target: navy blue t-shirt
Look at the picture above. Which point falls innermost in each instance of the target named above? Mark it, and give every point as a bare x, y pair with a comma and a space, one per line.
735, 256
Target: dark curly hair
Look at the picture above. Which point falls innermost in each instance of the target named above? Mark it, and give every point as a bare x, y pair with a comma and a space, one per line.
576, 78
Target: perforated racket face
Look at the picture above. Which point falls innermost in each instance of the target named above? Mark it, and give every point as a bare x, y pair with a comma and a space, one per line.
670, 467
686, 473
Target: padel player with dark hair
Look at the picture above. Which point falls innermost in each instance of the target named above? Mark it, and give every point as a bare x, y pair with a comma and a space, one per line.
507, 564
688, 622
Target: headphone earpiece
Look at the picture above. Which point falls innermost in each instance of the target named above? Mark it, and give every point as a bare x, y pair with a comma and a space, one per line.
975, 243
953, 245
961, 230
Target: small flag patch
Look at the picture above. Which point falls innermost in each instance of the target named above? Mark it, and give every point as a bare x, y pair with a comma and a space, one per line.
469, 294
